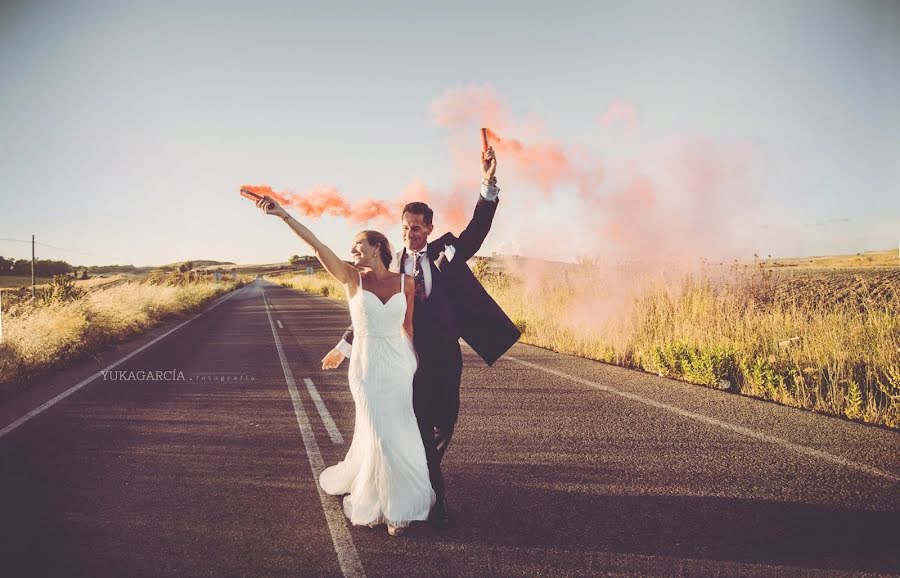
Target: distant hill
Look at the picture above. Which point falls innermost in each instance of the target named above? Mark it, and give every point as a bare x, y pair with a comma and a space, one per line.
198, 263
99, 269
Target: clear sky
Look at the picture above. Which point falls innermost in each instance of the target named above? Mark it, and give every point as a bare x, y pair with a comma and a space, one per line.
127, 127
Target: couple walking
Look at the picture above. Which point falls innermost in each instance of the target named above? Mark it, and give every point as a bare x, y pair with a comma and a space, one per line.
407, 317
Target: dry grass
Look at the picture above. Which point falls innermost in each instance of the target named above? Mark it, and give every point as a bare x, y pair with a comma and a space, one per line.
827, 341
42, 336
320, 283
860, 260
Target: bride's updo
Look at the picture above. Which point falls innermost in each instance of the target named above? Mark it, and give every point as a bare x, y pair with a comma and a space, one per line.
386, 252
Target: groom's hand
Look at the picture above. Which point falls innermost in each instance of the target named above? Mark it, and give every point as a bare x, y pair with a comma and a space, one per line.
333, 359
489, 166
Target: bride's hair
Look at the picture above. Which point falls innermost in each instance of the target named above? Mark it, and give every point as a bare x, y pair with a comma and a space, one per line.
386, 251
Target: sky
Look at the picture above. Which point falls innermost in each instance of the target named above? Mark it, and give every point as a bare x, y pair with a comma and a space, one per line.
714, 129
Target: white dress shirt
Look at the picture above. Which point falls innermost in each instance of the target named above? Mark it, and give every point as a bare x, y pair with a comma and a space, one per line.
488, 193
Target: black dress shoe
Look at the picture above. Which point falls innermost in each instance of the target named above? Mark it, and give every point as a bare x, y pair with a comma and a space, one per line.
439, 517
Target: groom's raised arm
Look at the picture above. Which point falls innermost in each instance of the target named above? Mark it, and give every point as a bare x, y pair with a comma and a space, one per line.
469, 241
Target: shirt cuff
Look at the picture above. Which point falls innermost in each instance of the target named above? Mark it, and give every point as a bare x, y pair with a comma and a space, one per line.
489, 192
345, 348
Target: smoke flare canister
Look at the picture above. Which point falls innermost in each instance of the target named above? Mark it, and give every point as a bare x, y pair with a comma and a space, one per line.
484, 142
248, 194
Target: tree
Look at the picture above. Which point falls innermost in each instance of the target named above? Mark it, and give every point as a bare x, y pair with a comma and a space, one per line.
294, 259
50, 268
21, 267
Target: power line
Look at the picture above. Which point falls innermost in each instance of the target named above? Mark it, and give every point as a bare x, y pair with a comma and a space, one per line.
111, 257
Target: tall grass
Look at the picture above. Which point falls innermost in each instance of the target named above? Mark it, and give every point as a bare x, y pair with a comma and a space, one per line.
320, 283
796, 341
51, 333
741, 332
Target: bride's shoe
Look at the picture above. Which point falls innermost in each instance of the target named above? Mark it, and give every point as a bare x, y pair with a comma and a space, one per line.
395, 530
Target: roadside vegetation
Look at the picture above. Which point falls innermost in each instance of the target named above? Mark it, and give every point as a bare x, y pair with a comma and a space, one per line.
822, 339
67, 322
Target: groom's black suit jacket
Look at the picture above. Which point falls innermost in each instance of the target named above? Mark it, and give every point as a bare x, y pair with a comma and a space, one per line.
458, 306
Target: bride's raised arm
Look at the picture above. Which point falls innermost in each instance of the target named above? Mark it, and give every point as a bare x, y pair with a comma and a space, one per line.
342, 271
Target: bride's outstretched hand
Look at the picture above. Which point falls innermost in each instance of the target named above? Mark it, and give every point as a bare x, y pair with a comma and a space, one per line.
332, 359
271, 207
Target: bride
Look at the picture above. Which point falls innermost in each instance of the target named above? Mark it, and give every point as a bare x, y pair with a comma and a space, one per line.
384, 472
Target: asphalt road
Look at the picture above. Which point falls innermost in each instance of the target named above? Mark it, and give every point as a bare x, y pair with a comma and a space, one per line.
560, 466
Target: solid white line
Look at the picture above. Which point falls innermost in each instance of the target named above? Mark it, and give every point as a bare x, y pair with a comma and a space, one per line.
87, 380
716, 422
333, 431
280, 326
348, 558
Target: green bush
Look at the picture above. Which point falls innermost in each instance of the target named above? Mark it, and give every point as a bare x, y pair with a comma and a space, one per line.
678, 359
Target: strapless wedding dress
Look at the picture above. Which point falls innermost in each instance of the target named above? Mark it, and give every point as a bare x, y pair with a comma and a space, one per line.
384, 472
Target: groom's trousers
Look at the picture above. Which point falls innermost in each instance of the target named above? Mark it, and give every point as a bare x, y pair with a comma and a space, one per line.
436, 403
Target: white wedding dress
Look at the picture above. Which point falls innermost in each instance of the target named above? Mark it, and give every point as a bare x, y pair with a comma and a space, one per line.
384, 471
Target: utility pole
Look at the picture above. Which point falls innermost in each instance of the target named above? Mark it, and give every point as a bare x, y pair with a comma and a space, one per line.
32, 267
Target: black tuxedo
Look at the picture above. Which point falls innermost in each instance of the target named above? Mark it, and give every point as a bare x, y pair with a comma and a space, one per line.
458, 306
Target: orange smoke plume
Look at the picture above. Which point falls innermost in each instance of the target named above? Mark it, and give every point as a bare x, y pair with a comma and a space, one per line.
546, 164
673, 198
328, 200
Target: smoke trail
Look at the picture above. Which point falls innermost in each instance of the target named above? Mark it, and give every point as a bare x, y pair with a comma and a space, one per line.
328, 200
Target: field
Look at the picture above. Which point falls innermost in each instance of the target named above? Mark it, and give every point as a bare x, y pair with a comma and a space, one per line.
825, 339
872, 259
67, 323
14, 281
20, 280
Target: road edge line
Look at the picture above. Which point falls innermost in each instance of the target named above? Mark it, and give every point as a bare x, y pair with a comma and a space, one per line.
713, 421
53, 401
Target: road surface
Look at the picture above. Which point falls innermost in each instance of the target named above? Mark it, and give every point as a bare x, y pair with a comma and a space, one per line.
560, 466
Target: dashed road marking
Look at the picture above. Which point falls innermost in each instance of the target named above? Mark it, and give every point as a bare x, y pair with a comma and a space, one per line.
348, 558
333, 432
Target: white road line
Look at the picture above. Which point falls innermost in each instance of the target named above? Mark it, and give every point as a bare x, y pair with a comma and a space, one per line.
348, 558
280, 326
716, 422
333, 431
92, 377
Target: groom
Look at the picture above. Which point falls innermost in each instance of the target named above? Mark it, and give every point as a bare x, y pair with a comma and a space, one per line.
450, 303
